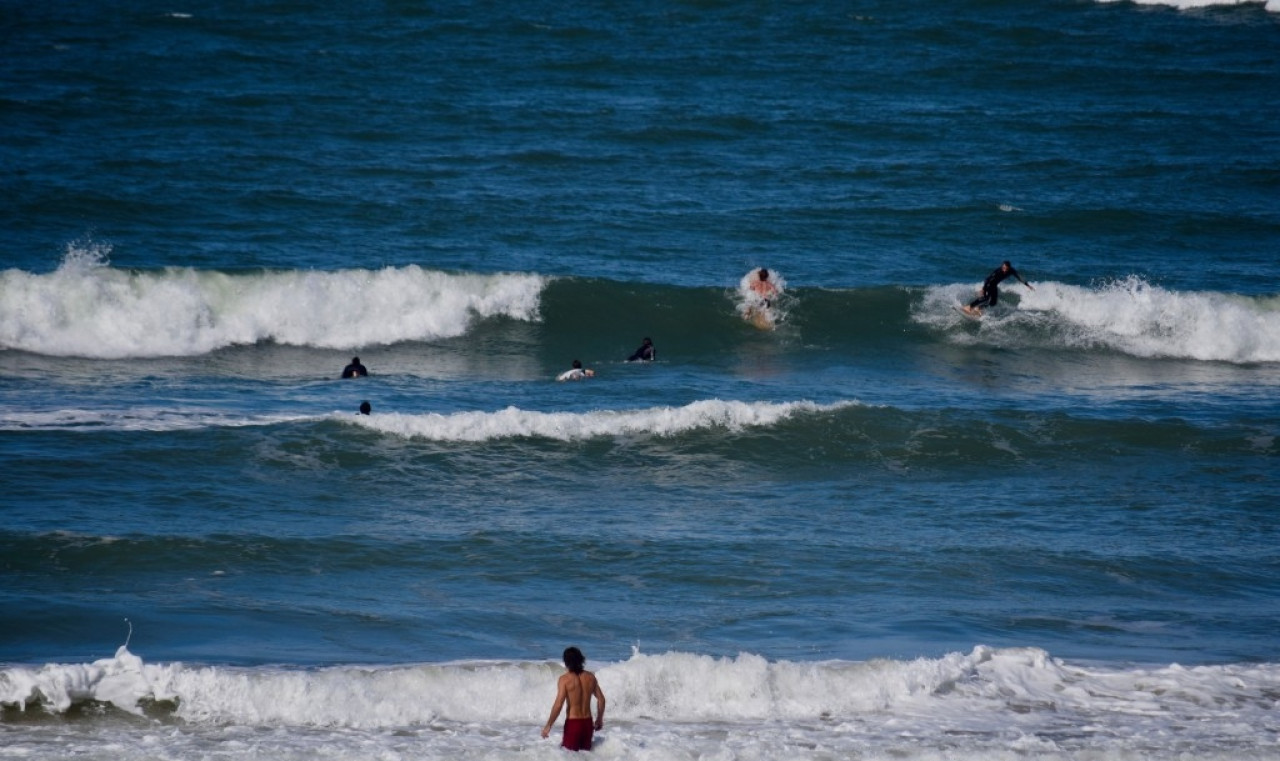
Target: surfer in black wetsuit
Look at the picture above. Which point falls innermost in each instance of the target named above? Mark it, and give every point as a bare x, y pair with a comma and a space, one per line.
645, 353
355, 369
991, 289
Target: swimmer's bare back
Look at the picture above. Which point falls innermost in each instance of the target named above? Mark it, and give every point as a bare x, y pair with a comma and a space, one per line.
578, 691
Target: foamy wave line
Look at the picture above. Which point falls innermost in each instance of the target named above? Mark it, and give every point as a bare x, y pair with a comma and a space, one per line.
1132, 316
1128, 315
1271, 5
513, 422
86, 308
978, 691
135, 419
472, 426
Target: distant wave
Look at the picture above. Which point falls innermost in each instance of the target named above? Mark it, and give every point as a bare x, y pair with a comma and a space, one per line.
1128, 315
471, 426
572, 426
87, 308
135, 419
977, 690
1270, 5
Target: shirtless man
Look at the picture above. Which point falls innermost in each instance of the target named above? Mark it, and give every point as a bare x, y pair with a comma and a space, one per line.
763, 288
576, 688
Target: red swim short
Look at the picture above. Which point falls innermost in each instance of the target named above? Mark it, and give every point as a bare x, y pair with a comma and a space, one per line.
577, 734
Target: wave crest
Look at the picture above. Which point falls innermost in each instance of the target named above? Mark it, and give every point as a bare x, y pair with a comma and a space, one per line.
1182, 5
1128, 315
87, 308
957, 689
513, 422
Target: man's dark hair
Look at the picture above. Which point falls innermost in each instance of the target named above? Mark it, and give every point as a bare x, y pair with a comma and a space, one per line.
574, 659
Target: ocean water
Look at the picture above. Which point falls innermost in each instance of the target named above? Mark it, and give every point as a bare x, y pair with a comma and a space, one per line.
878, 530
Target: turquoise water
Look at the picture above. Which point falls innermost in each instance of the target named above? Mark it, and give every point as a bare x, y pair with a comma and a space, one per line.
879, 530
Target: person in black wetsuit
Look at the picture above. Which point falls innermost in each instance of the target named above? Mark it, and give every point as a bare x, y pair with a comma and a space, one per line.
991, 289
355, 369
645, 353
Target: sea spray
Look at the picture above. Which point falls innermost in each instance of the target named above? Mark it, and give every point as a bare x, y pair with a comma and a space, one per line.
1127, 315
87, 308
1132, 316
972, 691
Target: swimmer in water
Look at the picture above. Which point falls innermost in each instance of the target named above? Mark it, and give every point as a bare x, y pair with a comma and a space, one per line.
576, 687
645, 353
761, 287
576, 372
355, 369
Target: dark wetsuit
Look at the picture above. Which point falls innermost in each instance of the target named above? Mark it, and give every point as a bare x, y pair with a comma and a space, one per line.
645, 353
354, 371
991, 287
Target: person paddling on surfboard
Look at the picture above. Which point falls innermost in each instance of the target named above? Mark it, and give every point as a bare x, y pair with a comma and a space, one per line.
576, 372
759, 293
991, 289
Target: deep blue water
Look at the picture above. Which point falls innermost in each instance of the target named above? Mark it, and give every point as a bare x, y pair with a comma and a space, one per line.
208, 211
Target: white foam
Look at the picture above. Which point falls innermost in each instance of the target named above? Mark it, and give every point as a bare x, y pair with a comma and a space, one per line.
1271, 5
1134, 317
988, 703
86, 308
135, 419
513, 422
473, 426
119, 681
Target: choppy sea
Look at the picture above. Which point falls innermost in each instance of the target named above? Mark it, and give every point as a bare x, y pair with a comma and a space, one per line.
878, 530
